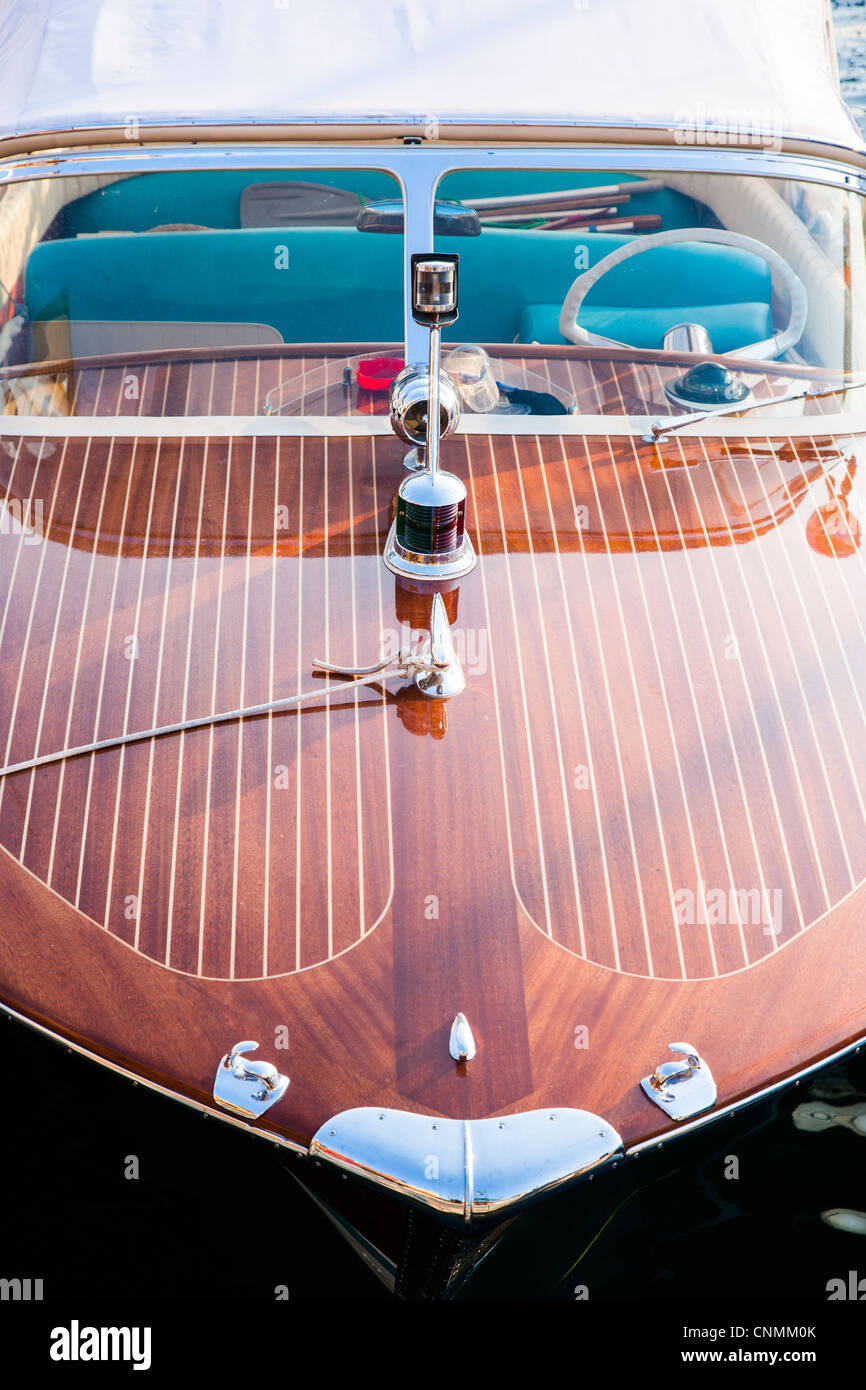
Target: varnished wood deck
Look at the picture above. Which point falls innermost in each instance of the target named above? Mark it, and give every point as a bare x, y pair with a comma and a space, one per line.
665, 696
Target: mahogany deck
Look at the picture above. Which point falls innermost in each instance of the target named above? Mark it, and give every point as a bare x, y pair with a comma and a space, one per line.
666, 688
187, 383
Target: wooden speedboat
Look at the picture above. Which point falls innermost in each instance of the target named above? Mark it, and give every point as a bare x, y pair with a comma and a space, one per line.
464, 734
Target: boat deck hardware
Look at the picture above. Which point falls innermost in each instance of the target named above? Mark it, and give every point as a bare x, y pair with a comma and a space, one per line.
467, 1170
683, 1088
428, 537
434, 665
461, 1044
246, 1087
660, 429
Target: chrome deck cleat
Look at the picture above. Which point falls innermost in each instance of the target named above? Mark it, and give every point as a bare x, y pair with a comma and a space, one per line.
246, 1087
434, 665
683, 1088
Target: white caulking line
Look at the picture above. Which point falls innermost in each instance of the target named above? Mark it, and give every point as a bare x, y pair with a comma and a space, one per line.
328, 724
26, 645
722, 703
389, 812
298, 745
182, 740
21, 536
542, 629
496, 705
105, 650
770, 672
367, 426
55, 628
243, 681
831, 612
213, 706
79, 645
635, 688
185, 704
71, 707
266, 905
579, 686
711, 781
746, 689
132, 660
145, 830
856, 557
524, 703
243, 687
655, 382
612, 711
787, 636
638, 569
359, 802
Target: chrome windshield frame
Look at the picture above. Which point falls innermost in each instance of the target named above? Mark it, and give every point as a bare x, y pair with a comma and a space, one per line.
418, 168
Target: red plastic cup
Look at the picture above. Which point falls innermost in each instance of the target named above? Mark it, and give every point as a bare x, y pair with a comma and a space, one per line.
377, 373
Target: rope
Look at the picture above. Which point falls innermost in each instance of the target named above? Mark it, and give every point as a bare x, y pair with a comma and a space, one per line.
102, 745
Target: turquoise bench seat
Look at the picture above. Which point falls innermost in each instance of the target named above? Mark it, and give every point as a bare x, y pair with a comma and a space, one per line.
730, 326
340, 285
345, 286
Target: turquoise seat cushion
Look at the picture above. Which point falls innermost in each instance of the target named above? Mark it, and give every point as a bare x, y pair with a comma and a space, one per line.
730, 326
311, 284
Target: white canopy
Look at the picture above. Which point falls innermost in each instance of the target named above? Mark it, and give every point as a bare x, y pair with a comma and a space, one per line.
762, 66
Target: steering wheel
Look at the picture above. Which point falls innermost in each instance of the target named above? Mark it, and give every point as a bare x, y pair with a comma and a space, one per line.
763, 351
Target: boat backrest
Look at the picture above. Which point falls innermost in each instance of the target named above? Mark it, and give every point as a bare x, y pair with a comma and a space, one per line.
319, 284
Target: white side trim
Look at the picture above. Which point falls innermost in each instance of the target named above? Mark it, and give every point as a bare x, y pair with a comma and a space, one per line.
366, 426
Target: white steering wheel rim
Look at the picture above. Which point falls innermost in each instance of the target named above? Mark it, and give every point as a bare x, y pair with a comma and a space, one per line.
762, 351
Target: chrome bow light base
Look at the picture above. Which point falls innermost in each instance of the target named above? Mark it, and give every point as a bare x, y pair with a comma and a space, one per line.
248, 1088
683, 1088
428, 538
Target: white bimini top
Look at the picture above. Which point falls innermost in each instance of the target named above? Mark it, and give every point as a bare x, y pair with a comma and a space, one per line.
764, 67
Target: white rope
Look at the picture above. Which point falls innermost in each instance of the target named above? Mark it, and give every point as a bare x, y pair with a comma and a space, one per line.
102, 745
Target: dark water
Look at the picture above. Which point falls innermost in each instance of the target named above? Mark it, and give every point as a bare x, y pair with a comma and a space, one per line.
212, 1215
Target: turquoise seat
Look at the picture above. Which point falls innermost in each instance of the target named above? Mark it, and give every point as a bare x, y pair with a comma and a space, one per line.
730, 326
312, 284
335, 284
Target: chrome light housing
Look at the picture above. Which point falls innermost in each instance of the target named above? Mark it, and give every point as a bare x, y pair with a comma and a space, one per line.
410, 396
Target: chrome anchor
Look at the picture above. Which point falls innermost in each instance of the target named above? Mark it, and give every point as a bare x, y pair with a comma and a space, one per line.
683, 1088
246, 1087
434, 665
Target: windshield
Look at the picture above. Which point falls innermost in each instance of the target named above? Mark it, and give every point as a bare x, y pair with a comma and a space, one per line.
281, 292
185, 293
615, 285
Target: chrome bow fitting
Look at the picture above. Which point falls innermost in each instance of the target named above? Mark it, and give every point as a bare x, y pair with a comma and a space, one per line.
428, 537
